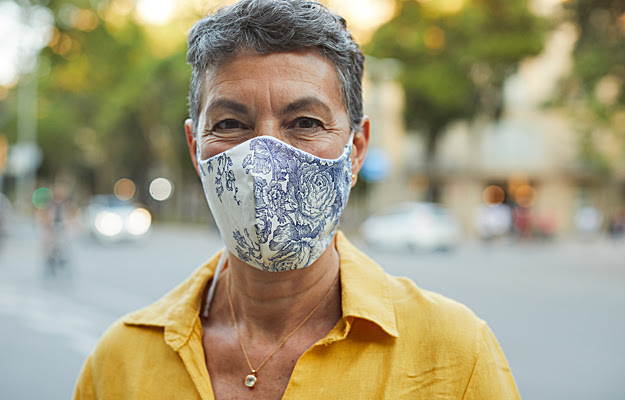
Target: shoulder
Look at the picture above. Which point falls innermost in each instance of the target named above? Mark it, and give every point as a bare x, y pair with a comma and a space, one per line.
128, 354
435, 321
114, 358
424, 306
121, 343
437, 342
440, 331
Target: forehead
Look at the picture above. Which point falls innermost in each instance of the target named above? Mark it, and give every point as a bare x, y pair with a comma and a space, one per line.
290, 72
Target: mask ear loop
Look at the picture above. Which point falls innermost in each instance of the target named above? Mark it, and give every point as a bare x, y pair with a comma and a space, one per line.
197, 153
211, 289
350, 142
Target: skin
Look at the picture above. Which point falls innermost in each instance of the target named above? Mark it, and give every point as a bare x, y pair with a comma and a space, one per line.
295, 97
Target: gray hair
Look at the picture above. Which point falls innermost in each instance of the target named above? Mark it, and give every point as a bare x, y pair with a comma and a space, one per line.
274, 26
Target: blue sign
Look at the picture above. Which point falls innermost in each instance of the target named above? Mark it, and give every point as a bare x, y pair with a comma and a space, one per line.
376, 167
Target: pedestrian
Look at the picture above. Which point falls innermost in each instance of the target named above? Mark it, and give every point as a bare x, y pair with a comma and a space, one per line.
493, 221
522, 219
290, 308
588, 220
617, 225
6, 216
53, 219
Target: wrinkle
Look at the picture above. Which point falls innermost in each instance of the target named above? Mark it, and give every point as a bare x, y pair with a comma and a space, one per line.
436, 381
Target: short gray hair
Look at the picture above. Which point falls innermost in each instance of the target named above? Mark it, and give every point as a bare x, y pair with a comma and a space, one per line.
274, 26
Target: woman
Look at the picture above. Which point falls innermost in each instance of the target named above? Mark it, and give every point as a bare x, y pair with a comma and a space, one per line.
290, 309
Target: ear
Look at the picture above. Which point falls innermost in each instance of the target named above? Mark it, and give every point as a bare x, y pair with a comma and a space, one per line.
359, 148
192, 143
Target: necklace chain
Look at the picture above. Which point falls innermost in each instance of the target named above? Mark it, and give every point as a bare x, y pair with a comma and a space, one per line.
287, 337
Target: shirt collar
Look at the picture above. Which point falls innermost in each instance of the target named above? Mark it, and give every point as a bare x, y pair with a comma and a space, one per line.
366, 291
366, 294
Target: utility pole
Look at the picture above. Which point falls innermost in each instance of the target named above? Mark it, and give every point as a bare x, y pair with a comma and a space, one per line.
27, 138
26, 149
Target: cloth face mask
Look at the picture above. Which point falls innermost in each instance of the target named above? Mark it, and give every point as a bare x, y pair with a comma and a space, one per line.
277, 207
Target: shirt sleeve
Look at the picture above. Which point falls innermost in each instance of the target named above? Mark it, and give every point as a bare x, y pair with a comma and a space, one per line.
84, 386
491, 377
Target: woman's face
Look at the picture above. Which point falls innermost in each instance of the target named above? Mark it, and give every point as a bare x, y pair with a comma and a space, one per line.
293, 96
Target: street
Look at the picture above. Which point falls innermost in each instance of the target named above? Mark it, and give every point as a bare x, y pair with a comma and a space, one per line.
557, 309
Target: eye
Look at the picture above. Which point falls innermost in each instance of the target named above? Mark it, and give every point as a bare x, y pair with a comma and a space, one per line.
305, 123
228, 124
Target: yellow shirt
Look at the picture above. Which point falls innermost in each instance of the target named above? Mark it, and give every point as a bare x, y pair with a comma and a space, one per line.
394, 341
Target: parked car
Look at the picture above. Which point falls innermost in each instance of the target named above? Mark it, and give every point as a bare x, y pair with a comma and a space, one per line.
111, 220
416, 225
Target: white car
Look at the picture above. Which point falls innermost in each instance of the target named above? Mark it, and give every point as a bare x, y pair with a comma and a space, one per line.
417, 225
111, 220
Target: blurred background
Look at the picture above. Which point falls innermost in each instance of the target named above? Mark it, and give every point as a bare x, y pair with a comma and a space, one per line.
496, 174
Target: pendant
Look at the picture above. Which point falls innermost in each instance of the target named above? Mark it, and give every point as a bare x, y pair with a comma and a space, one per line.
250, 380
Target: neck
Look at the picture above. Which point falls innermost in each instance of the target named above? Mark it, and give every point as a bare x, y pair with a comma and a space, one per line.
271, 304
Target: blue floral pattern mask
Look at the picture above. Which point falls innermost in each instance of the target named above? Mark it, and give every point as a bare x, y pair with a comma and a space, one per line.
277, 207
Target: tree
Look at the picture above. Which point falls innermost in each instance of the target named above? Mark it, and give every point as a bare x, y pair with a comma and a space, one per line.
455, 60
594, 91
112, 96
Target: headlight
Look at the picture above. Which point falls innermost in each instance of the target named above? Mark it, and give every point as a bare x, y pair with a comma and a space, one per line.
138, 222
108, 223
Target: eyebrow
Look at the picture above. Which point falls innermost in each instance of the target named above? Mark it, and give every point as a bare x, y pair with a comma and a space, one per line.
304, 103
295, 106
229, 105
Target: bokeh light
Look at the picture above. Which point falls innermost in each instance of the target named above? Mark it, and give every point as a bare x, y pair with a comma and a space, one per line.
124, 189
109, 223
494, 195
85, 20
525, 195
42, 198
608, 89
138, 222
434, 38
161, 189
157, 12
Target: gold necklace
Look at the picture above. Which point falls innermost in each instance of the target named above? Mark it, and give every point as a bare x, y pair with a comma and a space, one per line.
251, 379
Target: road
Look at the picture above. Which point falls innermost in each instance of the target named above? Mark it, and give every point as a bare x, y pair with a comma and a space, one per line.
557, 309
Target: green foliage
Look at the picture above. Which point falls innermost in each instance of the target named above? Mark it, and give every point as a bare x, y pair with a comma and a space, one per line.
600, 49
596, 89
112, 104
454, 64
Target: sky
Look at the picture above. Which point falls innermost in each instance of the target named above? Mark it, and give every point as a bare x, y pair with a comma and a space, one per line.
9, 28
21, 36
